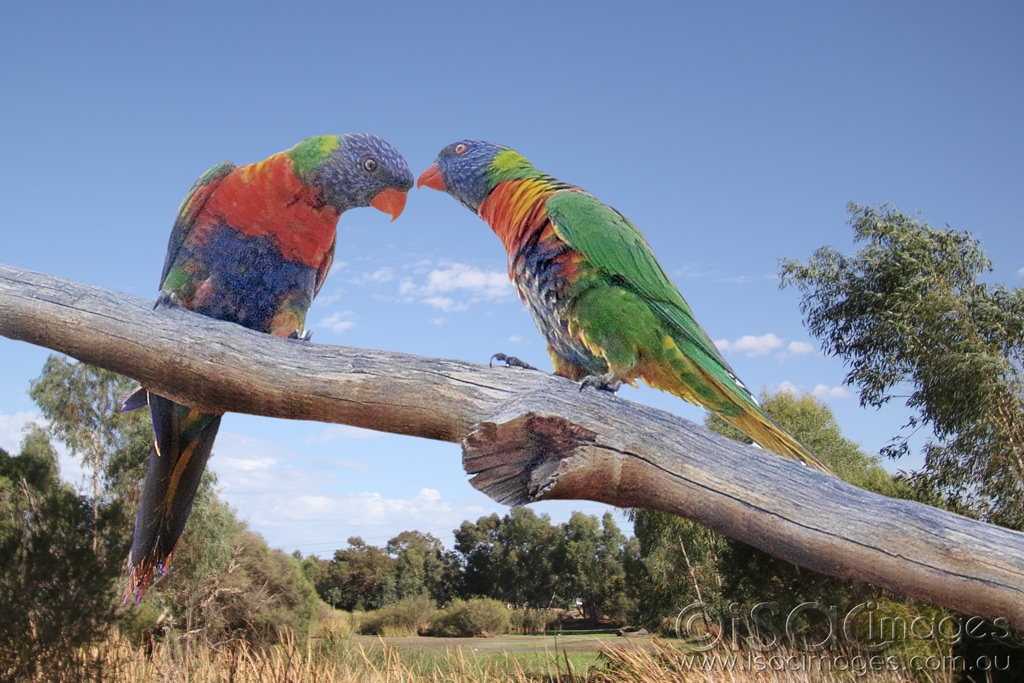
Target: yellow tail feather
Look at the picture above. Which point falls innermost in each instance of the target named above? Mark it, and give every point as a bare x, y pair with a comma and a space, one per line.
679, 375
771, 436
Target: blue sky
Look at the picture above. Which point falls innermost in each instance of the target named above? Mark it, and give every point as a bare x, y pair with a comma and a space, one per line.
732, 134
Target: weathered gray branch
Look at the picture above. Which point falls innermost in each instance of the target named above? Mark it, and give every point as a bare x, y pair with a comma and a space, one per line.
527, 436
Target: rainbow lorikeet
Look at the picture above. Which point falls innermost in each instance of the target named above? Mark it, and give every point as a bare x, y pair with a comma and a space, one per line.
604, 304
252, 245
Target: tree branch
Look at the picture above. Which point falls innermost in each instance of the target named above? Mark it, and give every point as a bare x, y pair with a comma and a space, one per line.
528, 436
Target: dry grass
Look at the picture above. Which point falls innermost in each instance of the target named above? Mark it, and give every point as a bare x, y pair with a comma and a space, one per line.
665, 662
332, 659
310, 662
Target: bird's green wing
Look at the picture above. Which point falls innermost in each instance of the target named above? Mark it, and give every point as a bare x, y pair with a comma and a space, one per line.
190, 207
613, 245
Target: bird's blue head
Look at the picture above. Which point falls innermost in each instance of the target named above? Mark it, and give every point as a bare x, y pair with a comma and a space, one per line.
469, 170
354, 170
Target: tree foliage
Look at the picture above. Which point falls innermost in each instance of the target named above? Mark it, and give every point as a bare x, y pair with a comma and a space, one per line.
681, 563
62, 553
521, 559
673, 563
592, 567
909, 313
80, 404
56, 592
226, 583
422, 567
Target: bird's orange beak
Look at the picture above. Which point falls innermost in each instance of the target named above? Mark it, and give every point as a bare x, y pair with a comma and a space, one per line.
390, 201
431, 178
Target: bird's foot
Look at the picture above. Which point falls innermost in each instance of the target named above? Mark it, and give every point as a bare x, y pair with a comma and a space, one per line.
509, 361
301, 336
606, 382
166, 298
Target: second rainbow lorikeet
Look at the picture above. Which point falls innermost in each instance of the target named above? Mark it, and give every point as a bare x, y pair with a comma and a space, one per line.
604, 304
252, 245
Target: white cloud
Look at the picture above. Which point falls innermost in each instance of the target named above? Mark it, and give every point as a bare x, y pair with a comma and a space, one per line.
787, 387
12, 429
797, 348
255, 468
421, 266
371, 509
454, 287
380, 275
445, 303
317, 517
326, 299
824, 392
515, 339
1020, 272
750, 345
248, 464
337, 321
459, 276
335, 432
820, 391
691, 270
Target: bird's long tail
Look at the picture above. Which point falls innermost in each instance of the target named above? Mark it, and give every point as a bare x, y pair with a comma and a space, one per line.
184, 440
753, 422
716, 388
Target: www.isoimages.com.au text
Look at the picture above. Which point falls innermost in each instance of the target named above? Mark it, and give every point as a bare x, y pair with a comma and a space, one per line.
858, 665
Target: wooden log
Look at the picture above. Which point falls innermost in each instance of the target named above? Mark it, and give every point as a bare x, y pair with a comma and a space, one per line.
528, 436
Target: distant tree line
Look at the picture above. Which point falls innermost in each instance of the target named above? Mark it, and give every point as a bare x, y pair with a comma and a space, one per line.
521, 559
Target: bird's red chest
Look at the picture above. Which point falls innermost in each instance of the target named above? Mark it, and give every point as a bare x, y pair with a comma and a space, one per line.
267, 199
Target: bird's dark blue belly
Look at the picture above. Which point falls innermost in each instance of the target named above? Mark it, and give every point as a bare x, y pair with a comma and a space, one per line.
545, 291
250, 279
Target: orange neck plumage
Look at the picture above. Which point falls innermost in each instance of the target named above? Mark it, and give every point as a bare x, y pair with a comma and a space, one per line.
516, 208
268, 199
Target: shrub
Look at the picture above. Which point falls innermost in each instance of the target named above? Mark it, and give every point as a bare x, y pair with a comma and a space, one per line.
334, 624
56, 590
532, 622
406, 617
468, 618
227, 584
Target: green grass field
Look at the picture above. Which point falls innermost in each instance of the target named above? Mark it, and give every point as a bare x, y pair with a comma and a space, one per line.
542, 654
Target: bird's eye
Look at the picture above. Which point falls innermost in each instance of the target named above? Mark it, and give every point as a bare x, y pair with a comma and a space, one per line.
370, 165
460, 148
